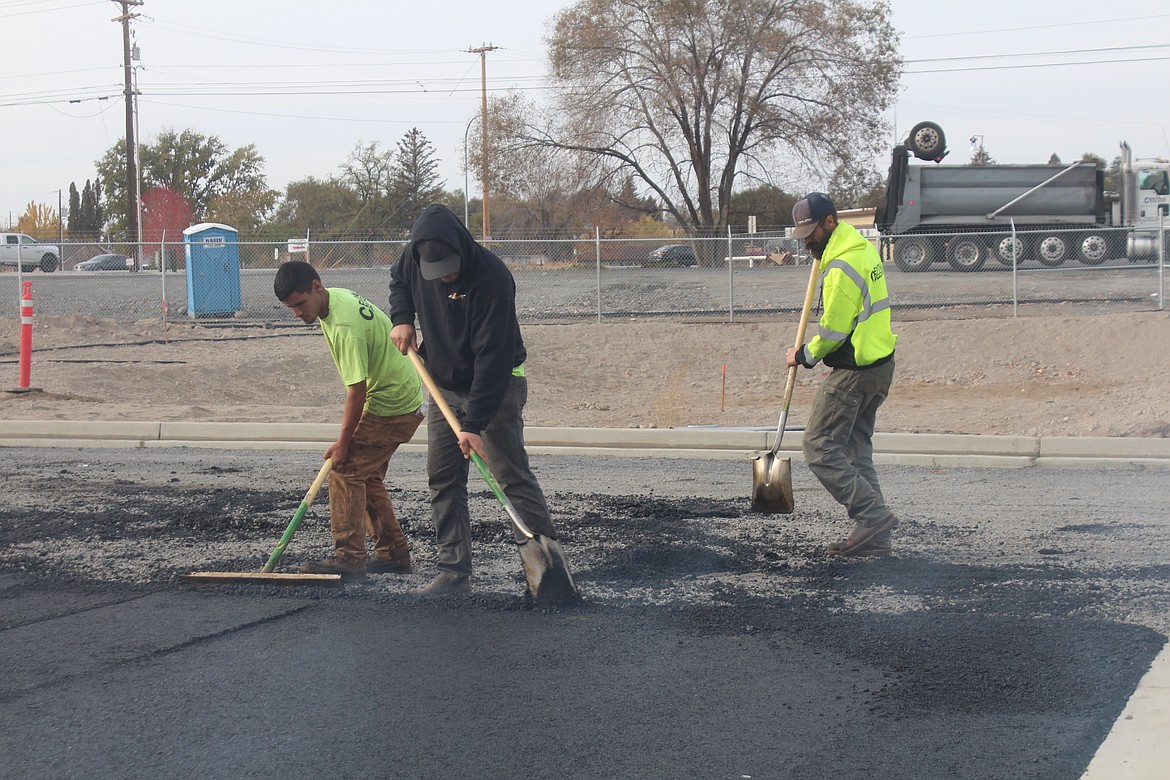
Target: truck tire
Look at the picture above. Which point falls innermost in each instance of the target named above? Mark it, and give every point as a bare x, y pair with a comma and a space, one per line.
913, 253
966, 253
926, 141
1003, 246
1053, 249
1093, 248
48, 263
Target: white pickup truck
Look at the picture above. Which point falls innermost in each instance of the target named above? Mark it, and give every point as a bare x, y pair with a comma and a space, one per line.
31, 253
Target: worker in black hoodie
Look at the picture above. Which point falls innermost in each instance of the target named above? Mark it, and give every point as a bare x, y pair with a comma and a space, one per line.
464, 299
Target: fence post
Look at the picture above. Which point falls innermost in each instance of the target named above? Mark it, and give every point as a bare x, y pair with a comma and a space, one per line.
730, 279
162, 272
597, 255
1015, 272
1161, 261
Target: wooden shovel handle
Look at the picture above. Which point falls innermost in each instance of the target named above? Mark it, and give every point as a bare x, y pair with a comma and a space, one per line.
433, 389
804, 314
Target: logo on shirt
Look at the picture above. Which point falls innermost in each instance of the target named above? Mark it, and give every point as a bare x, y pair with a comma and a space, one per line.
365, 308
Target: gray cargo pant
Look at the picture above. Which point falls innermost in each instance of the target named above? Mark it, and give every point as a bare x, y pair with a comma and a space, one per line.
447, 469
838, 440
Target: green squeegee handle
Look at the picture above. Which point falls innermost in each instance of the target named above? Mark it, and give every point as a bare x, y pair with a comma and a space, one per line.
503, 499
453, 422
298, 516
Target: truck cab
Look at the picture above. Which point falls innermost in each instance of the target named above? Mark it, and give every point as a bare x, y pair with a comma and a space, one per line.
1145, 201
30, 253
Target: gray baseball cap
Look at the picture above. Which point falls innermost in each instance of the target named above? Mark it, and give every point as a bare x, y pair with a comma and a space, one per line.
809, 211
437, 260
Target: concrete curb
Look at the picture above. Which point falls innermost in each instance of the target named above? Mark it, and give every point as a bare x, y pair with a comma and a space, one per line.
932, 450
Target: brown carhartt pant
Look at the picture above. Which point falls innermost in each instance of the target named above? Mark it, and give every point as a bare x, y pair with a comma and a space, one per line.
358, 500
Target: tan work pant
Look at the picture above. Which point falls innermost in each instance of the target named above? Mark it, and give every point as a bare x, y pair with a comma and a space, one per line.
358, 500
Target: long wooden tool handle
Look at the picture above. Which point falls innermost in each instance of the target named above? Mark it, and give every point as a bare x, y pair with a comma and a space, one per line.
453, 421
804, 314
306, 502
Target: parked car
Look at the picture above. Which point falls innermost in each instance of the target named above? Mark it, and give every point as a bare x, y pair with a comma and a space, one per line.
673, 254
105, 263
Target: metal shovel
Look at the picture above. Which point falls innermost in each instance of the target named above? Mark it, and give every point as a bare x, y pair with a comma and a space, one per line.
545, 568
772, 476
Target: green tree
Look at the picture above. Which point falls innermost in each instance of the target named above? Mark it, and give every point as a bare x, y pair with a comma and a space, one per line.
980, 157
90, 215
681, 94
198, 167
415, 182
1054, 159
772, 207
324, 208
74, 209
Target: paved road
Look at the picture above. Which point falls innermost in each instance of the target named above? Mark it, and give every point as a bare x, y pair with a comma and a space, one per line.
561, 294
1001, 642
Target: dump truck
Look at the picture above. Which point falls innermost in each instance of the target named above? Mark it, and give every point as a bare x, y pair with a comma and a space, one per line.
969, 214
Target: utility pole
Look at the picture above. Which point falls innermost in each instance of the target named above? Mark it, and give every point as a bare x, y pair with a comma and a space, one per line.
482, 52
131, 142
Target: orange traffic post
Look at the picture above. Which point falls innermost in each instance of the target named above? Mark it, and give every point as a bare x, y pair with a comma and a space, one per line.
26, 323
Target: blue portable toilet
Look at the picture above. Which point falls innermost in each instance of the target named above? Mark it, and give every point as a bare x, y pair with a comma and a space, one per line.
213, 269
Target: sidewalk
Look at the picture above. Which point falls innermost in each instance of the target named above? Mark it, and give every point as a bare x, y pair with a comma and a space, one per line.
932, 450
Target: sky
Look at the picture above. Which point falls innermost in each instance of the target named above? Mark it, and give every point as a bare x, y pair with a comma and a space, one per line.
307, 82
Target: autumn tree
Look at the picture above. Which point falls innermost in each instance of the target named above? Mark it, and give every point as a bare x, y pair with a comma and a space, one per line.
39, 220
684, 94
165, 213
855, 186
200, 168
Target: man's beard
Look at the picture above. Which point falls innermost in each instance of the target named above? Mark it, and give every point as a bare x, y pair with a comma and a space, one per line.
817, 248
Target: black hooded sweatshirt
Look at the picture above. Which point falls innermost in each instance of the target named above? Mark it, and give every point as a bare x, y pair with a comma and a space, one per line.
470, 335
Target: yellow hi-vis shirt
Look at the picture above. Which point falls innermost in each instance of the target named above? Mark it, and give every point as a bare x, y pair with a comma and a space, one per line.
854, 329
358, 333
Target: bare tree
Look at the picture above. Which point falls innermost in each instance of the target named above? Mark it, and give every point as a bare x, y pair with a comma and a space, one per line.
682, 93
368, 171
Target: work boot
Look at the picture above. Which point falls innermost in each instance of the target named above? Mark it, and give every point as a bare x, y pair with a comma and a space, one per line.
871, 540
443, 585
335, 565
397, 563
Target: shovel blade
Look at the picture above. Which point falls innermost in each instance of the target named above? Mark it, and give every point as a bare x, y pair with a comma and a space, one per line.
549, 580
772, 485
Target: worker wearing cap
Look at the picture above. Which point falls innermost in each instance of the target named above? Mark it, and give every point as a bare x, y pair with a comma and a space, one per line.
855, 340
464, 298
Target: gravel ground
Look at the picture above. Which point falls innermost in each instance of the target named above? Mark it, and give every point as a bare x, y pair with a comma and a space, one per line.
637, 531
1013, 623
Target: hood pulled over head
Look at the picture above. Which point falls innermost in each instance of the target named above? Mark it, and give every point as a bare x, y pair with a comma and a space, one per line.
440, 244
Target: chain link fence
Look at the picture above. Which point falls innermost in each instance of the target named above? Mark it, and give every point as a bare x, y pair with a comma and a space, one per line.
728, 278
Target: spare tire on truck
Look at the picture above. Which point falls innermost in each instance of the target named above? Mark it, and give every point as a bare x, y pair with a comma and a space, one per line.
927, 141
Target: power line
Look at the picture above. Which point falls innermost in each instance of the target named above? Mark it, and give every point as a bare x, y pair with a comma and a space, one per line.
332, 118
1040, 53
1035, 65
50, 10
1035, 27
